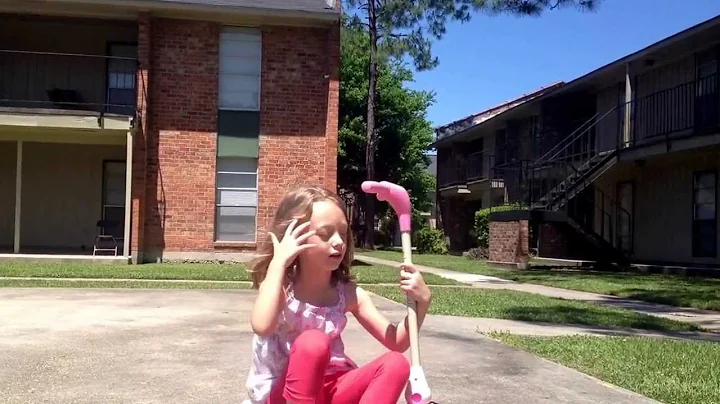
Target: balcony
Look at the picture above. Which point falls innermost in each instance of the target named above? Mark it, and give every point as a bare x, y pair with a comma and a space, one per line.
65, 90
691, 108
460, 171
67, 73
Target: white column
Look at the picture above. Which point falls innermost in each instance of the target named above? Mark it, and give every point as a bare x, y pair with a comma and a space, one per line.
627, 129
18, 195
128, 192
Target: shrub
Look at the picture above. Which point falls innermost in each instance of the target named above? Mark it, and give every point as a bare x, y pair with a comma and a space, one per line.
430, 241
386, 230
478, 253
481, 227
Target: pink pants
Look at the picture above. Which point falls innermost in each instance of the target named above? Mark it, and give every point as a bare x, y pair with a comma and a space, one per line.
381, 381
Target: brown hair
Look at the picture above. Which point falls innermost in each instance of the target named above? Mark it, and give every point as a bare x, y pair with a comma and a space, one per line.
297, 204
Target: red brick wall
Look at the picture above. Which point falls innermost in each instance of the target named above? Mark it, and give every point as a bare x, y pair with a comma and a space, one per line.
298, 114
553, 241
174, 183
183, 141
509, 241
137, 226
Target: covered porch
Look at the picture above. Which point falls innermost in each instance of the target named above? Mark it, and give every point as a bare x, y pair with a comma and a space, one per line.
65, 194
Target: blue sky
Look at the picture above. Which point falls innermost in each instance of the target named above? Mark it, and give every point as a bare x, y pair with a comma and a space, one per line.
492, 59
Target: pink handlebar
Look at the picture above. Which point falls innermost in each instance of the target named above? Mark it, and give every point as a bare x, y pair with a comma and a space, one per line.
396, 196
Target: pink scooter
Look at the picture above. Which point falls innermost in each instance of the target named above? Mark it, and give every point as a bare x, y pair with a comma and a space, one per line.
418, 391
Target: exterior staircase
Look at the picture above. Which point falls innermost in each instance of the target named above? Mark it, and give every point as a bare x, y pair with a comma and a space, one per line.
571, 168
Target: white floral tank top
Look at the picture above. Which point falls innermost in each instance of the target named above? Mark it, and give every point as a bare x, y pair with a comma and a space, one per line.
270, 354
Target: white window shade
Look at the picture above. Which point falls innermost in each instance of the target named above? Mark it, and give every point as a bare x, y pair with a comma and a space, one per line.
236, 224
229, 197
240, 65
240, 100
235, 181
240, 69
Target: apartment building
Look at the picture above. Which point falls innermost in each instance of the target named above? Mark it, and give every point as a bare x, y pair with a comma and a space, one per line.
618, 165
160, 129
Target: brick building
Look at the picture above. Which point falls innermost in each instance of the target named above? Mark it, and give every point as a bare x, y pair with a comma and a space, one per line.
218, 105
618, 166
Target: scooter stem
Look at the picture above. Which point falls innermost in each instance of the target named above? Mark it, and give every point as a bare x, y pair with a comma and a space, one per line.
418, 391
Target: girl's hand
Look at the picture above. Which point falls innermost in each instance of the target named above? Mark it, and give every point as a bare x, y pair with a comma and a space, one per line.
413, 284
293, 242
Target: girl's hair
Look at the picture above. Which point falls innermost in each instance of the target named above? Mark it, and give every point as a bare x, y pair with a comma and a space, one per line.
297, 204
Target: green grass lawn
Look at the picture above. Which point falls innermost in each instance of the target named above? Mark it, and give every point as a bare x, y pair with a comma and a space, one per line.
453, 301
670, 371
513, 305
204, 272
702, 293
119, 284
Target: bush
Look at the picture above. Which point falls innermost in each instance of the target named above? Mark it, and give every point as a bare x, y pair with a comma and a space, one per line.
478, 253
482, 222
430, 241
387, 227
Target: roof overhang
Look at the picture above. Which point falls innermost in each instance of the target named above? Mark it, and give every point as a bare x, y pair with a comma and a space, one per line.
640, 55
503, 112
577, 83
172, 9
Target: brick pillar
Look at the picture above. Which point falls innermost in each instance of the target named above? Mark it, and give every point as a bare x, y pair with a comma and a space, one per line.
331, 130
140, 139
182, 141
553, 241
509, 241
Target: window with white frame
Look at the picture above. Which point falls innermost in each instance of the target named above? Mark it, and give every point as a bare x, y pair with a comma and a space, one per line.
238, 132
236, 198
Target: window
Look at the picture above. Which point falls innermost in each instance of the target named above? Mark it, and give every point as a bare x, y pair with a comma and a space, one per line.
236, 198
706, 99
240, 67
704, 226
706, 71
238, 132
122, 79
113, 199
624, 215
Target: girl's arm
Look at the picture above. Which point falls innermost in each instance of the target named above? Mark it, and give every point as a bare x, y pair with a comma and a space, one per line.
269, 301
393, 336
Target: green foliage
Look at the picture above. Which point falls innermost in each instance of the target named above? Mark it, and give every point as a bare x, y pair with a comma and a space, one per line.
377, 37
481, 226
405, 28
404, 133
430, 241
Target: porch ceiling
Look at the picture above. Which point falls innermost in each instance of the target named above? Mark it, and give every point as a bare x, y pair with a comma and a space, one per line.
60, 119
62, 135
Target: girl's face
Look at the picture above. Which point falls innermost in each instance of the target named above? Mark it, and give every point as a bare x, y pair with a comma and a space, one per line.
331, 227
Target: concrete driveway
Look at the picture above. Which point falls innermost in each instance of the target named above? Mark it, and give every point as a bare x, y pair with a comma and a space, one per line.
169, 346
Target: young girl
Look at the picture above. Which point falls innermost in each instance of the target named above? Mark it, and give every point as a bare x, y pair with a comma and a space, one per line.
305, 290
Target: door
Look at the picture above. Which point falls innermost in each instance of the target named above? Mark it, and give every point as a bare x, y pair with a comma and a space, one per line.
707, 107
624, 216
122, 79
113, 197
704, 223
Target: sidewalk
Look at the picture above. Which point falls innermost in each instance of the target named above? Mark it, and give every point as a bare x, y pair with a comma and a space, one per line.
706, 319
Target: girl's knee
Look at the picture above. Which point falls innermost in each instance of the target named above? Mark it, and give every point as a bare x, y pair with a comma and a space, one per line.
312, 344
397, 365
